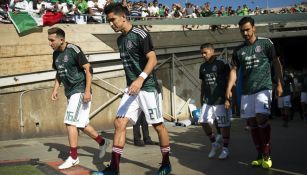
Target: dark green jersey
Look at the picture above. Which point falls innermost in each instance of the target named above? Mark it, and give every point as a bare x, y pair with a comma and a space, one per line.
133, 48
286, 84
214, 81
303, 80
68, 65
255, 61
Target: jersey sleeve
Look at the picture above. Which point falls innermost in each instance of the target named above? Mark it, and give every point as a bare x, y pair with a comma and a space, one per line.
53, 60
235, 60
200, 72
147, 44
271, 52
81, 59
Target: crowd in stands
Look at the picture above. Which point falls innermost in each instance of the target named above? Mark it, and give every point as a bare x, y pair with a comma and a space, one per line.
91, 11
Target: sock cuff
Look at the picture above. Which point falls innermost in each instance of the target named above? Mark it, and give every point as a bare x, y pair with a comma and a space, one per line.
165, 149
117, 149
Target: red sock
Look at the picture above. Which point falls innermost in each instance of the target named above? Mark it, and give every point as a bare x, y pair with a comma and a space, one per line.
256, 138
265, 134
73, 152
99, 140
225, 141
165, 154
117, 151
211, 137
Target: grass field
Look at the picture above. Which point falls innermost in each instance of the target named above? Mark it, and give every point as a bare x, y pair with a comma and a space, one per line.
20, 170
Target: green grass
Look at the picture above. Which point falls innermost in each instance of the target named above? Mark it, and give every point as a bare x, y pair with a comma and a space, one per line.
20, 170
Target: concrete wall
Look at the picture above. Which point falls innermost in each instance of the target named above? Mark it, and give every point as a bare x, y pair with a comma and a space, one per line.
26, 110
42, 117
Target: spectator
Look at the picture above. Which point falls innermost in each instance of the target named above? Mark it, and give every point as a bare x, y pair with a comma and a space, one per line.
239, 11
95, 8
245, 10
19, 5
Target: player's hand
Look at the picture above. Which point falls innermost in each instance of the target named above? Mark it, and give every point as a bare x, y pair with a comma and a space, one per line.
135, 87
54, 95
227, 104
86, 97
228, 97
279, 90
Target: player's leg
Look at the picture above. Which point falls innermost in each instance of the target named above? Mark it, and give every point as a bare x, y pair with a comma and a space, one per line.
224, 119
262, 109
206, 120
71, 120
103, 143
151, 104
304, 105
128, 110
248, 113
286, 110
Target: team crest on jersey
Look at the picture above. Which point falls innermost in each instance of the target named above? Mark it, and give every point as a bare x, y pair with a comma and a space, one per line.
258, 49
65, 58
214, 68
129, 45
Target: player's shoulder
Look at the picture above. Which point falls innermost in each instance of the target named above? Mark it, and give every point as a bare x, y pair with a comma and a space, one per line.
221, 60
239, 47
264, 40
73, 47
140, 32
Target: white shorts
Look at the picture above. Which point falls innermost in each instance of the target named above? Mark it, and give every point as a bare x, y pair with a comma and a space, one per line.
259, 103
148, 102
304, 97
284, 101
211, 112
77, 112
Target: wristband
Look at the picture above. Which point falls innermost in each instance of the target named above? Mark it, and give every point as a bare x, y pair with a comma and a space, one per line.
143, 75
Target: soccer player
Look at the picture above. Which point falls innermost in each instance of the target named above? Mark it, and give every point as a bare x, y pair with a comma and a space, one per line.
303, 81
284, 102
213, 73
142, 92
254, 57
75, 73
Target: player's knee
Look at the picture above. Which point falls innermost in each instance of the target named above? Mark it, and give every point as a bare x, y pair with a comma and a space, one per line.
119, 125
159, 127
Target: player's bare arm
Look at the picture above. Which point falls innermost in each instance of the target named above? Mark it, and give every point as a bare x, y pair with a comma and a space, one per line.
88, 76
57, 82
231, 82
137, 84
278, 73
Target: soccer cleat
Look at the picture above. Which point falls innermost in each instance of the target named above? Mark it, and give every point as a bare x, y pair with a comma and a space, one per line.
107, 171
267, 163
224, 154
257, 162
69, 162
215, 146
164, 169
103, 148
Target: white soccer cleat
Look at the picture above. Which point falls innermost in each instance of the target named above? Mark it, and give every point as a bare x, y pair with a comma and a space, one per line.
224, 154
103, 148
69, 162
214, 147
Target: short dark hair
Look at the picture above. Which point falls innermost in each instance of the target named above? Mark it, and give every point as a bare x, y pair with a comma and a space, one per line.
116, 8
58, 31
247, 19
207, 45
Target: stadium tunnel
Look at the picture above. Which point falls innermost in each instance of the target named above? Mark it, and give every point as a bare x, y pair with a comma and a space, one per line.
292, 51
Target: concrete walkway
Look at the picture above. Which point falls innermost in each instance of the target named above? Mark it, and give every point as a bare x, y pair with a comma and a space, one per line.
189, 146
